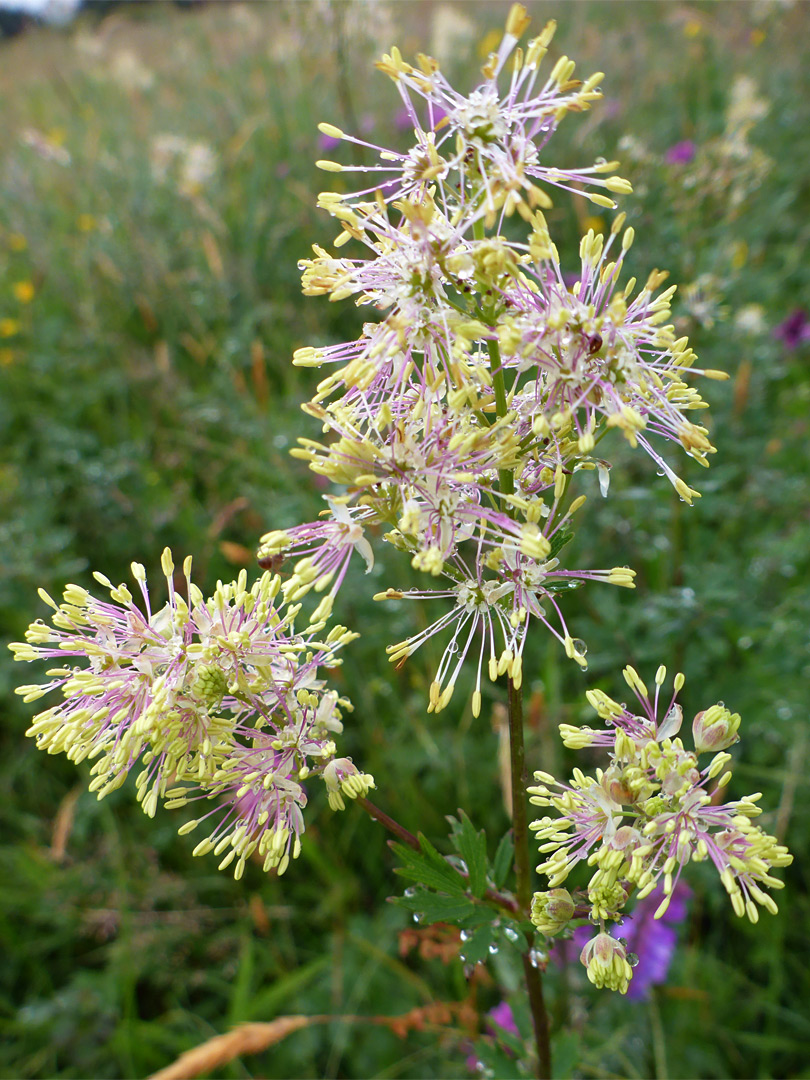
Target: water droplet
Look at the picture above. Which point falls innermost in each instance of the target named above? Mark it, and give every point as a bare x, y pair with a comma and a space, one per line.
410, 892
580, 646
493, 950
538, 958
417, 918
465, 935
468, 969
510, 934
632, 959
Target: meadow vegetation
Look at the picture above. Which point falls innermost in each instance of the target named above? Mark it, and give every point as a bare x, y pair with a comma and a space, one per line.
157, 189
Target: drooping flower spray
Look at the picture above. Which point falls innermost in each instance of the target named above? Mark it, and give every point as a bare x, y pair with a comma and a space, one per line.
457, 425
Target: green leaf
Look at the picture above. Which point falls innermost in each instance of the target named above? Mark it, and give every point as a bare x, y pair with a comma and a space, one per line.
504, 857
429, 868
495, 1061
434, 907
558, 541
476, 947
567, 1045
472, 847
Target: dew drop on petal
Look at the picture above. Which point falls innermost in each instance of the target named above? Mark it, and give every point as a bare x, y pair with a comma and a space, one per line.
632, 959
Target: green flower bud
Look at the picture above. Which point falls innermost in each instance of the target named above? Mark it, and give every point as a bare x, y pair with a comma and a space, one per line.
552, 911
605, 961
715, 729
209, 685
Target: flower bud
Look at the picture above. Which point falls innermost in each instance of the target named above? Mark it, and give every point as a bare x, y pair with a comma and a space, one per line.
605, 961
715, 729
209, 685
552, 911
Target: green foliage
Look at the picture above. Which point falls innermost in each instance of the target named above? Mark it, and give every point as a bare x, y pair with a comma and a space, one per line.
147, 398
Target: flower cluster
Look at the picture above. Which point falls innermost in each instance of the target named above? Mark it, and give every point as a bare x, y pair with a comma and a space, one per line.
214, 699
458, 422
639, 822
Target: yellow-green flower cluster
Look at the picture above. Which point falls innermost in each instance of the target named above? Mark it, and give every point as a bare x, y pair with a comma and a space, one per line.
221, 694
639, 822
458, 423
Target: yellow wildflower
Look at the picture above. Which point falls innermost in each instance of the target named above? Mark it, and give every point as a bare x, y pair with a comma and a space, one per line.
9, 327
23, 291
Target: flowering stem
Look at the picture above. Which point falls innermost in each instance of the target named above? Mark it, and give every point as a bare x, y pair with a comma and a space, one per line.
389, 823
519, 815
506, 481
517, 758
503, 900
520, 825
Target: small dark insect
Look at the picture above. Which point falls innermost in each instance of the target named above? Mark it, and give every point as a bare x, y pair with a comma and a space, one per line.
594, 344
272, 562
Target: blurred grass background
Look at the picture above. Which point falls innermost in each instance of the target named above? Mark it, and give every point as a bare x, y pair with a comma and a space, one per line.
156, 191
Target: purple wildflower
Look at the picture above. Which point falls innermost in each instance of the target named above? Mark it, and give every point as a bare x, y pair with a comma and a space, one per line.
794, 330
681, 153
500, 1018
653, 940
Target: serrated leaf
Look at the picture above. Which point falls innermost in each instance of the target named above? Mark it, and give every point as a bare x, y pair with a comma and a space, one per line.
514, 934
472, 847
504, 857
428, 868
434, 907
476, 947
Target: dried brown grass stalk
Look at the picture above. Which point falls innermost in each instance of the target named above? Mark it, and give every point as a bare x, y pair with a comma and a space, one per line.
253, 1038
244, 1039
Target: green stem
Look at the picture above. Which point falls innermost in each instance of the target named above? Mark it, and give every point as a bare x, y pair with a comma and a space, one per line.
502, 900
517, 756
523, 874
520, 820
506, 480
388, 822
